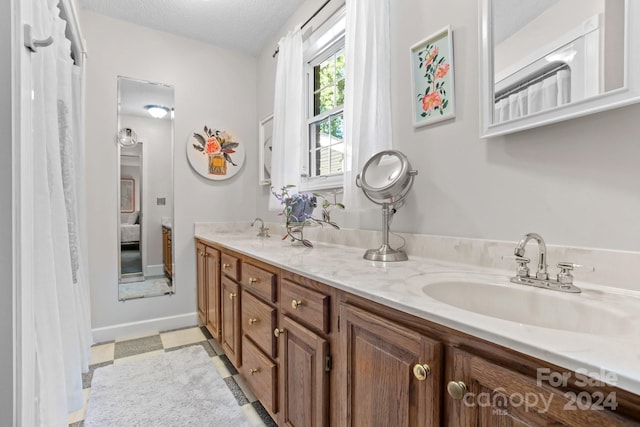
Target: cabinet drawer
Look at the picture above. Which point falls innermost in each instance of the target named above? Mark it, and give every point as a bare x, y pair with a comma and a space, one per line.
258, 323
259, 281
261, 375
307, 306
230, 266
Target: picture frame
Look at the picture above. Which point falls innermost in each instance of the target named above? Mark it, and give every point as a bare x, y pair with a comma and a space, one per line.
127, 195
265, 144
432, 78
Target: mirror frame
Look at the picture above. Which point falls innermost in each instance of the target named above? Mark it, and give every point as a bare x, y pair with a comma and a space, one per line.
628, 94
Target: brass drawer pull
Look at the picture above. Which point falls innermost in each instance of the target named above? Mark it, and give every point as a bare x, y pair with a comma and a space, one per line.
421, 372
457, 389
225, 265
254, 371
277, 332
253, 321
232, 295
253, 280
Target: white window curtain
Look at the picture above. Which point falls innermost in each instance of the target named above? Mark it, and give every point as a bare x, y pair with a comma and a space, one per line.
61, 293
288, 115
367, 98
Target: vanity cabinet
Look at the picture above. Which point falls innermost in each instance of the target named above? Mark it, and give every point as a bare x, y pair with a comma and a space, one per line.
390, 375
230, 320
304, 348
315, 355
483, 393
260, 363
208, 287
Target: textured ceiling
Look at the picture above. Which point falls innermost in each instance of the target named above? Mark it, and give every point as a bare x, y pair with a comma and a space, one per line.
242, 25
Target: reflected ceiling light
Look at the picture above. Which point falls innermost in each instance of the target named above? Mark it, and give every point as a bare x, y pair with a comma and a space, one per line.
157, 111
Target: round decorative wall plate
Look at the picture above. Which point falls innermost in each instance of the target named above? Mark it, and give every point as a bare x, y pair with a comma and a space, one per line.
214, 154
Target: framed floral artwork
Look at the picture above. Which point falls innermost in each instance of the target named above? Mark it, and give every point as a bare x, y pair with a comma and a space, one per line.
432, 77
264, 150
215, 154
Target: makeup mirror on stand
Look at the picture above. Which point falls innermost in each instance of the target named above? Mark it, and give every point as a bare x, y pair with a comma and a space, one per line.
386, 179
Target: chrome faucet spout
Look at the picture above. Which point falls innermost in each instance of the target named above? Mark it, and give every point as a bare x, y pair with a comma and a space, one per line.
264, 231
542, 253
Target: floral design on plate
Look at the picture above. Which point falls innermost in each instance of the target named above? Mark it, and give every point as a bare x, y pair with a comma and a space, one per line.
214, 154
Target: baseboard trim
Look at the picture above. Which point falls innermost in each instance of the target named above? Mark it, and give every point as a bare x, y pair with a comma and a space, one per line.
143, 328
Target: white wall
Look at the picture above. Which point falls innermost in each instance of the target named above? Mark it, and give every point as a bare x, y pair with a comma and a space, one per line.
575, 183
6, 216
213, 87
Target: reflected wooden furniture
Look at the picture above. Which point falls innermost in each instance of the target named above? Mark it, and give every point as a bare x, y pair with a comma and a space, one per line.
167, 259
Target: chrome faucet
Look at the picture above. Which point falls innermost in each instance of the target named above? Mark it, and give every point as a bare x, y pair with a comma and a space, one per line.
264, 231
542, 253
564, 280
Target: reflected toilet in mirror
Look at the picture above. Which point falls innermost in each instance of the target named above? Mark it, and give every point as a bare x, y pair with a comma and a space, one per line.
145, 164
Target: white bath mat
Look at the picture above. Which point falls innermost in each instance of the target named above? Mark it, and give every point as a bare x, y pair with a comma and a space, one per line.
177, 388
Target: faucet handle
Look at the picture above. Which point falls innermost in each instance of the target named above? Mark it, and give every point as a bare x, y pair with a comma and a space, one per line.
564, 276
523, 267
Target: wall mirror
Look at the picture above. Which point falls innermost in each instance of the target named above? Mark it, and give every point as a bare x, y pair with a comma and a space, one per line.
145, 188
546, 61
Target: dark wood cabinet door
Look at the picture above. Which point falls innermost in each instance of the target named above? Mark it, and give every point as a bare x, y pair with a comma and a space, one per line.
304, 376
212, 270
200, 283
498, 396
377, 366
230, 320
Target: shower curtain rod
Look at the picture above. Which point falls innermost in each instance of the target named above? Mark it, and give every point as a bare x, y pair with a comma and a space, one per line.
305, 23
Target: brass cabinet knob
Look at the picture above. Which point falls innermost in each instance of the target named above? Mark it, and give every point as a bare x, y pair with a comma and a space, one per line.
295, 304
225, 265
201, 254
254, 370
253, 321
457, 389
421, 371
253, 280
232, 295
277, 332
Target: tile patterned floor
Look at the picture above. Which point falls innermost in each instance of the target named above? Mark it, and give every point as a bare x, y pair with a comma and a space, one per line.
104, 354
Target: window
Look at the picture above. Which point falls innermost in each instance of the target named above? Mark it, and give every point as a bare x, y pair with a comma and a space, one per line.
324, 147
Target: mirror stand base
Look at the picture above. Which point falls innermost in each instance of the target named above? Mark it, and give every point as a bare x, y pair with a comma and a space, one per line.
385, 254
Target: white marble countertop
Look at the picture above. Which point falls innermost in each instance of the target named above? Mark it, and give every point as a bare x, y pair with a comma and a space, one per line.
613, 353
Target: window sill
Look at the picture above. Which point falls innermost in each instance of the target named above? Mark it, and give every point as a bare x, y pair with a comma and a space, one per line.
321, 183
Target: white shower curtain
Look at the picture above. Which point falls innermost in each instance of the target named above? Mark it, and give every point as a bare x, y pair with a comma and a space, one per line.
288, 115
60, 294
367, 97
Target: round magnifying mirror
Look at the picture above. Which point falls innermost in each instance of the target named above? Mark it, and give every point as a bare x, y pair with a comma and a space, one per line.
386, 175
386, 179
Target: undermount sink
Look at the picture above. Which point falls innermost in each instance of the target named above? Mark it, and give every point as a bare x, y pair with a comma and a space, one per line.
530, 306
